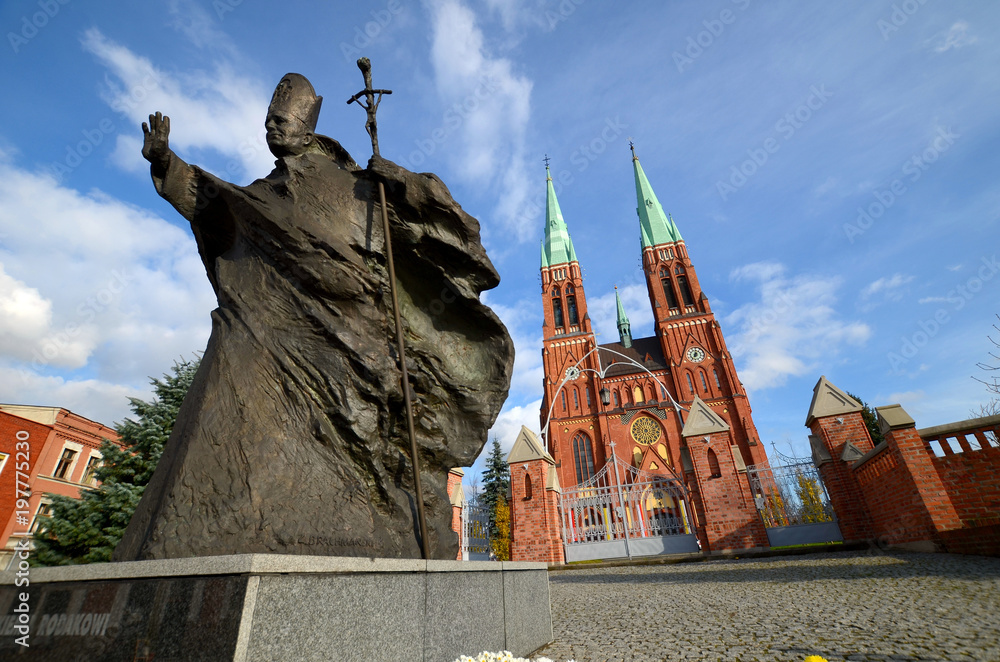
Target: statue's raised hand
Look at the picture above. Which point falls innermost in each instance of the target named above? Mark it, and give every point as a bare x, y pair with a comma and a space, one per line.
155, 140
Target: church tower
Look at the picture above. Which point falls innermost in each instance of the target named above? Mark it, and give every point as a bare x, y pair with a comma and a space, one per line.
567, 338
699, 362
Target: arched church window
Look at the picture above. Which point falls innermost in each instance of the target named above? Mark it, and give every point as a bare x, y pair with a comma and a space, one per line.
713, 464
682, 282
574, 318
557, 313
586, 389
614, 394
704, 382
637, 395
716, 373
583, 457
563, 396
576, 399
668, 291
527, 487
690, 383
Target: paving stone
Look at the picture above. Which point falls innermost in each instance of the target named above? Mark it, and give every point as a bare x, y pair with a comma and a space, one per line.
861, 606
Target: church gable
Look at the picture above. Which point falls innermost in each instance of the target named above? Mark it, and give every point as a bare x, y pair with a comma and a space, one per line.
701, 420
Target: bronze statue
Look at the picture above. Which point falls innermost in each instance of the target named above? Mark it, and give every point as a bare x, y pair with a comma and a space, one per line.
292, 438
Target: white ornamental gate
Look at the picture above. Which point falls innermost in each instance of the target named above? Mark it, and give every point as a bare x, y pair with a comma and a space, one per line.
625, 512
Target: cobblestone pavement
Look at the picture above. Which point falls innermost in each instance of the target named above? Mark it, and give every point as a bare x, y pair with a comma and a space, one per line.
842, 606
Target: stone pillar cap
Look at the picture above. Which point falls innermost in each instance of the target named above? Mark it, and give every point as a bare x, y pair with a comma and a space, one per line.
893, 417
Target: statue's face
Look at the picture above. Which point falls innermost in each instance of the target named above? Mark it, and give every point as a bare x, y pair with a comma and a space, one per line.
286, 135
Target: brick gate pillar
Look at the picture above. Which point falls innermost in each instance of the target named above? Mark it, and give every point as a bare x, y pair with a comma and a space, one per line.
724, 502
536, 529
839, 437
928, 509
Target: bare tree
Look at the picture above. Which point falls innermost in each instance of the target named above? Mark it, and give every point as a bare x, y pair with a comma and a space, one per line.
992, 382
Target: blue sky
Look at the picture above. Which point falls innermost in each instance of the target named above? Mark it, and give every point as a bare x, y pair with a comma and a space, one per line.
831, 166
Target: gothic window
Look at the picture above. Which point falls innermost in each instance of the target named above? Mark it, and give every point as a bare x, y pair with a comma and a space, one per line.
557, 313
668, 291
587, 391
576, 399
637, 395
663, 391
583, 457
713, 464
685, 290
682, 283
614, 394
717, 382
574, 319
704, 382
563, 395
690, 383
527, 487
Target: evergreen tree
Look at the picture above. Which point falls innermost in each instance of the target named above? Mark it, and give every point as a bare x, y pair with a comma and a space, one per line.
871, 420
86, 530
496, 483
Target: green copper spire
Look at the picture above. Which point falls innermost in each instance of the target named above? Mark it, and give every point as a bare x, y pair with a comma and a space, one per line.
557, 247
624, 328
655, 226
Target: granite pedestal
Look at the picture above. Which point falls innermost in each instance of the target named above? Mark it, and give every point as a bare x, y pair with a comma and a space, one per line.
254, 607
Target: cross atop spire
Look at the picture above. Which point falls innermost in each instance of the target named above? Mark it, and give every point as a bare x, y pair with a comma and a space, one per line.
546, 160
655, 226
631, 146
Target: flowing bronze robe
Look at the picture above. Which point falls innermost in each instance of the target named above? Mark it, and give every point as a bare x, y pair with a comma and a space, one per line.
292, 438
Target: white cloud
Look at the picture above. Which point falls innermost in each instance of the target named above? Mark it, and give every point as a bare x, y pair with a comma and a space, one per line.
509, 423
92, 284
791, 330
488, 104
890, 288
220, 110
956, 37
932, 300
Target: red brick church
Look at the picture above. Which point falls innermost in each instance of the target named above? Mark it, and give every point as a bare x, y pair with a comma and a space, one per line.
683, 413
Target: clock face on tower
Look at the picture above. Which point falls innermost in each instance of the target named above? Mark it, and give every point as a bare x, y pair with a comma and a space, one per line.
696, 355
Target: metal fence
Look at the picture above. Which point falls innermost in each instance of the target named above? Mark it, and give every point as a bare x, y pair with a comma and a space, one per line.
623, 511
792, 502
475, 533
